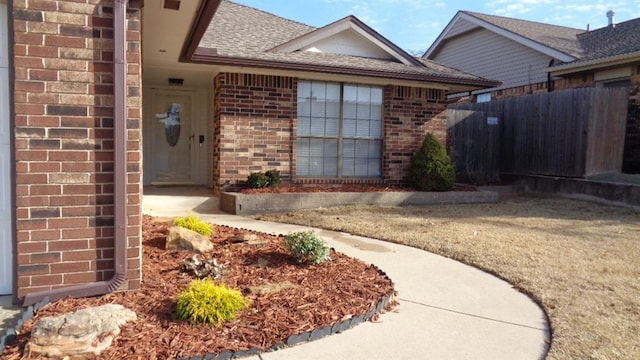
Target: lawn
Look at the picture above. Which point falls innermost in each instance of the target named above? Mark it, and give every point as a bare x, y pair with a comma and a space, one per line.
579, 260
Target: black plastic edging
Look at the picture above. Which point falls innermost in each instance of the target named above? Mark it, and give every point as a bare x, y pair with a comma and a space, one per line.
307, 336
11, 334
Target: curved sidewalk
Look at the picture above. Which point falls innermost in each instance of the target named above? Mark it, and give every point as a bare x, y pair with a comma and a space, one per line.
447, 310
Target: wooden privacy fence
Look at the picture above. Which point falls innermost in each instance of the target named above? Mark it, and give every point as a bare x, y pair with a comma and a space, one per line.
570, 133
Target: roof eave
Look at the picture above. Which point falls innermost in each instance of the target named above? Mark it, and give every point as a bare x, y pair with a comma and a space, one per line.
204, 15
587, 65
210, 56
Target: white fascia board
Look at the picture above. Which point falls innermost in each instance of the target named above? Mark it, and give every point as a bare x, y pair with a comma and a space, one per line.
594, 64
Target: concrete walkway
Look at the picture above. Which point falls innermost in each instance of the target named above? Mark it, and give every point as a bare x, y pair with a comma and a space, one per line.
447, 310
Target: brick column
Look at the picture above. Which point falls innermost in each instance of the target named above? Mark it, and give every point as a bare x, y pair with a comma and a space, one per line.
409, 114
64, 143
254, 123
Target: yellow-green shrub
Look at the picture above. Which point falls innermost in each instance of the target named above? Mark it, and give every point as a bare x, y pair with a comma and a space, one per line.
205, 302
194, 223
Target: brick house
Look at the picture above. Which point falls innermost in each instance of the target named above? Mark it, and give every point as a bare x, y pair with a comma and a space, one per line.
224, 91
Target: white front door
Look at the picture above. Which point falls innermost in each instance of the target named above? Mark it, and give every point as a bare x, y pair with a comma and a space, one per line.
170, 128
6, 247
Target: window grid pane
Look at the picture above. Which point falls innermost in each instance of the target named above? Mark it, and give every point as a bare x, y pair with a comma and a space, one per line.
319, 124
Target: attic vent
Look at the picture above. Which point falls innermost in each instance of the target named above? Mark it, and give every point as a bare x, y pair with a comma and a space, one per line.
172, 4
610, 15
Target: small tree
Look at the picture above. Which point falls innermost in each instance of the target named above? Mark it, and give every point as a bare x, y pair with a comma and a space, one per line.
431, 168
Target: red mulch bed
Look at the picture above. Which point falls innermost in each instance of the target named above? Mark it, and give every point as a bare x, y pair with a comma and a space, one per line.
325, 294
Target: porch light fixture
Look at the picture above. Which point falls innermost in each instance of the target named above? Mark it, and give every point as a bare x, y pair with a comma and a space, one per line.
176, 82
172, 4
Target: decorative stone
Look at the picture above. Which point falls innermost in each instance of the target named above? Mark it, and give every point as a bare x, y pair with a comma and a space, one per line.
200, 267
83, 333
179, 238
270, 288
244, 237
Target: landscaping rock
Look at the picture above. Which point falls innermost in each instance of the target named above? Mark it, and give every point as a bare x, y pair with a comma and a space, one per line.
200, 267
179, 238
243, 237
79, 335
270, 288
247, 239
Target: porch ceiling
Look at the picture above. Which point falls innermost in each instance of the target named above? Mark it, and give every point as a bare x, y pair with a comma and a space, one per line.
164, 32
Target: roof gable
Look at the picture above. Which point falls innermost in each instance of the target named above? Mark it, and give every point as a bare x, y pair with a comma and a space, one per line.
556, 41
348, 36
233, 35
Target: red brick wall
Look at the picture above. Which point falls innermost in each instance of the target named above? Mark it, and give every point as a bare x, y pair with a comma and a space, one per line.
409, 114
254, 120
255, 127
64, 143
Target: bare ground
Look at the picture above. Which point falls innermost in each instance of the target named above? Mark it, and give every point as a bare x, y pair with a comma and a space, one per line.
579, 260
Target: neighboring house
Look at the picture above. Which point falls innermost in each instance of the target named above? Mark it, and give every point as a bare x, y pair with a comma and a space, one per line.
224, 90
530, 57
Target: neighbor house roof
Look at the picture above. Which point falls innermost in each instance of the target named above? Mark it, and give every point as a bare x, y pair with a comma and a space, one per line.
556, 41
606, 46
574, 48
239, 35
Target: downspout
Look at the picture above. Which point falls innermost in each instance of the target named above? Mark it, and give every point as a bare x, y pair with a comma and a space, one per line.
120, 174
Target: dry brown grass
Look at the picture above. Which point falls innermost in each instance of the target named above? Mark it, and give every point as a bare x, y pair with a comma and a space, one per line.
580, 260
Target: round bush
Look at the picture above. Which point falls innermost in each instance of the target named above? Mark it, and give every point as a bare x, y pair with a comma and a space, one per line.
205, 302
431, 168
257, 180
194, 223
307, 247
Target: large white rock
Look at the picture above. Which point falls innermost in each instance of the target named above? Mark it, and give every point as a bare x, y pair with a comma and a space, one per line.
179, 238
82, 334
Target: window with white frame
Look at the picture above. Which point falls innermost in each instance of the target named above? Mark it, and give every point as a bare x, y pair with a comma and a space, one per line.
339, 130
485, 97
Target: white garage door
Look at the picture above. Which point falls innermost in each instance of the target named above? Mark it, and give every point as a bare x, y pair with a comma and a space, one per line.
6, 252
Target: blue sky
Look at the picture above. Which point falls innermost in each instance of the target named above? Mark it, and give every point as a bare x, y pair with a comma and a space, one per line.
414, 24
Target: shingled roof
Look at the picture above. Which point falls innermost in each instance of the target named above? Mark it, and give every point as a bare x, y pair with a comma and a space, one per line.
245, 36
558, 37
623, 38
573, 47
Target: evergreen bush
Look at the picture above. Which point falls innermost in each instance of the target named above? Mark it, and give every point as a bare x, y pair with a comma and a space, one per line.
273, 176
257, 180
205, 302
194, 223
431, 168
307, 247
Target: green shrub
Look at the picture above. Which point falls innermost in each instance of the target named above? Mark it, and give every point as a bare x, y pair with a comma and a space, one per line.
194, 223
257, 180
205, 302
307, 247
274, 177
431, 168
